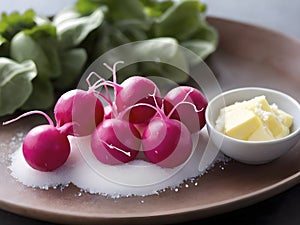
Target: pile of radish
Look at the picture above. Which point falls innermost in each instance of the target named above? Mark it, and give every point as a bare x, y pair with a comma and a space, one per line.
136, 122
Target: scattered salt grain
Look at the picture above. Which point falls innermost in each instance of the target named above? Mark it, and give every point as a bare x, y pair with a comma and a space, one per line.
136, 178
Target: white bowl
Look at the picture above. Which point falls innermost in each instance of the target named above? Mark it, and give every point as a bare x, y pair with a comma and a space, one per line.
252, 152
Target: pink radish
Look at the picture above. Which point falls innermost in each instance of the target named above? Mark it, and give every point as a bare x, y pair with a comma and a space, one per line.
115, 141
166, 142
142, 114
81, 107
108, 114
45, 147
192, 115
135, 90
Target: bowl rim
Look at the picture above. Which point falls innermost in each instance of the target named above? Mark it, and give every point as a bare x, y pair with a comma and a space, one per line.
241, 89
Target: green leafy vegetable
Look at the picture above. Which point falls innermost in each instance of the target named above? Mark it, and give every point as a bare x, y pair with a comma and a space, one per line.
58, 66
47, 55
182, 20
42, 96
185, 14
72, 28
4, 50
133, 9
40, 45
15, 84
86, 6
72, 62
171, 55
154, 8
16, 22
2, 40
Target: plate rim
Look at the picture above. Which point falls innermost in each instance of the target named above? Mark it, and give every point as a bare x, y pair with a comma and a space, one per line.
202, 212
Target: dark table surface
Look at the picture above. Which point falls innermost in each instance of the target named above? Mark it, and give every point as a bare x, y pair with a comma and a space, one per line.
282, 209
279, 15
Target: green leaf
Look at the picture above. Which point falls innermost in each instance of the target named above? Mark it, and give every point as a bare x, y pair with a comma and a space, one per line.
155, 8
2, 40
15, 22
170, 57
86, 7
204, 41
15, 84
72, 28
4, 47
104, 39
133, 29
200, 47
39, 45
40, 32
116, 10
180, 21
133, 9
73, 62
42, 96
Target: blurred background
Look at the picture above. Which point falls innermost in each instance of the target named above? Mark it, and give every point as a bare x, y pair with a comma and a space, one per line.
278, 15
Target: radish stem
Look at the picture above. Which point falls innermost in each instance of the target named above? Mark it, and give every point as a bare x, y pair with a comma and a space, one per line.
28, 114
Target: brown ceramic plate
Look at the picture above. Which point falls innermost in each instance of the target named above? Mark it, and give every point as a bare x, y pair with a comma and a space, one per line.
247, 56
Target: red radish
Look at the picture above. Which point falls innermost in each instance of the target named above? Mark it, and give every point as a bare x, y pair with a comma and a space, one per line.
135, 90
167, 142
45, 147
142, 114
193, 118
108, 114
115, 141
81, 107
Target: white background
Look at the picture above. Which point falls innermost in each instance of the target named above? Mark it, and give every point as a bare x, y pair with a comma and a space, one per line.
280, 15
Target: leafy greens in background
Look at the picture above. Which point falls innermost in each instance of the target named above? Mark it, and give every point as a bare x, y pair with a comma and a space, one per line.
41, 56
15, 84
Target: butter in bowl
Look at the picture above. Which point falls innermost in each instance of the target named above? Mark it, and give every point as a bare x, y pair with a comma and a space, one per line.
253, 125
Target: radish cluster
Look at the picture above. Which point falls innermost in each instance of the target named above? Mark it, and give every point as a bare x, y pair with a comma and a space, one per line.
136, 122
77, 113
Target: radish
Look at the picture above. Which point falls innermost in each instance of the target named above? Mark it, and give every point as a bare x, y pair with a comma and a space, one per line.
81, 107
135, 90
45, 147
108, 114
115, 141
142, 114
166, 142
193, 114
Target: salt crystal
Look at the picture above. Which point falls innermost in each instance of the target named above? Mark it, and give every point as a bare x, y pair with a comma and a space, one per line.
136, 178
79, 194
